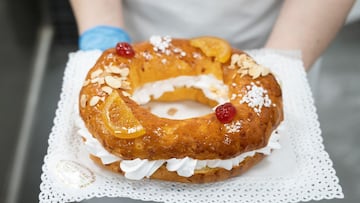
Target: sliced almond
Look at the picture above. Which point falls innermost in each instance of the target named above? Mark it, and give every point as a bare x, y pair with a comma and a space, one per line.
125, 85
113, 82
94, 100
96, 73
255, 72
234, 59
94, 80
265, 71
86, 82
243, 72
83, 100
122, 69
126, 94
247, 64
124, 72
107, 89
114, 69
101, 81
107, 69
258, 70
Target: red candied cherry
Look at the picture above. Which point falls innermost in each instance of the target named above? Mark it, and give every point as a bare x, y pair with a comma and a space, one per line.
225, 112
124, 49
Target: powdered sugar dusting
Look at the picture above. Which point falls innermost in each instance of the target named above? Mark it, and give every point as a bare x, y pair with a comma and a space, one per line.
161, 44
256, 97
177, 50
183, 54
146, 55
233, 127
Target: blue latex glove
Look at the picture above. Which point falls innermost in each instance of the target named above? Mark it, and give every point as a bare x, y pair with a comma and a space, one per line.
102, 37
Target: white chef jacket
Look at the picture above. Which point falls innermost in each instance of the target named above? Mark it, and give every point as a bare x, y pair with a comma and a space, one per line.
246, 24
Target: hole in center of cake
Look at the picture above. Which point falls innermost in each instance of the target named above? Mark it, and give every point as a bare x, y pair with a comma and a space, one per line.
178, 110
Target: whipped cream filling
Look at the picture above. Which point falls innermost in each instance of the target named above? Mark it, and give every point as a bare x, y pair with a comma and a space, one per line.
137, 169
212, 88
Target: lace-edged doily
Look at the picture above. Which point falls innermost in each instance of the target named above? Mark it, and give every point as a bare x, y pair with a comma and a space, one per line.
300, 171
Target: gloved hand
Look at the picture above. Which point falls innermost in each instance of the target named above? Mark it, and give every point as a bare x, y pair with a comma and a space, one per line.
102, 37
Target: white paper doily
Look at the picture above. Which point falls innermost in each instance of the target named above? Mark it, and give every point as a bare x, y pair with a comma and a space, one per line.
300, 171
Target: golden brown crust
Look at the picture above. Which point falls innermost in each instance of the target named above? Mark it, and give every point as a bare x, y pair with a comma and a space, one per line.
199, 138
200, 176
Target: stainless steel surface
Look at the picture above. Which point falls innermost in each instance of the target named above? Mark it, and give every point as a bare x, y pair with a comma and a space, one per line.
337, 100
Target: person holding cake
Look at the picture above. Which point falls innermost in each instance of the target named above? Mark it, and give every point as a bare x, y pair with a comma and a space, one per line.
198, 58
309, 26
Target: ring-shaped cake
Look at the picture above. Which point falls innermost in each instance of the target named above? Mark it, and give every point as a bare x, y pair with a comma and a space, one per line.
245, 97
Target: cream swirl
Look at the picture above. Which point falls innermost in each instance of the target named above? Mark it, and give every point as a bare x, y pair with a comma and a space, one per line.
137, 169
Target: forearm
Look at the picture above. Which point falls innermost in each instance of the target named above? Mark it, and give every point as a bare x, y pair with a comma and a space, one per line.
309, 26
91, 13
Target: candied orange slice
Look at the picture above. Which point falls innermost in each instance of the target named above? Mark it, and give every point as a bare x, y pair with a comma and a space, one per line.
213, 46
119, 119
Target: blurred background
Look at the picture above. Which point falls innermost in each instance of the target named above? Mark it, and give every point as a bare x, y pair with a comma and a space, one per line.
35, 39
